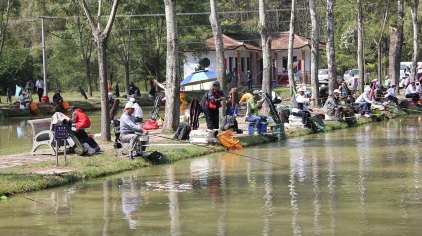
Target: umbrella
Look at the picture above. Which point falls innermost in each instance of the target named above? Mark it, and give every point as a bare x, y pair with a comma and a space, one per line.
199, 77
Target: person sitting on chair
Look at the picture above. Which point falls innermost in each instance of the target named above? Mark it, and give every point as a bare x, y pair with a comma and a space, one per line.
23, 100
128, 129
332, 106
138, 111
58, 99
80, 121
302, 106
253, 105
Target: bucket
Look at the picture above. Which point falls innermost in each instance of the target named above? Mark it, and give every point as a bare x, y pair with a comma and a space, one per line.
278, 132
228, 140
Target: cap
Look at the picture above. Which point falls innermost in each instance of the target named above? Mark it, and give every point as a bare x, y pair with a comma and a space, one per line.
300, 90
216, 83
336, 91
256, 92
129, 105
132, 100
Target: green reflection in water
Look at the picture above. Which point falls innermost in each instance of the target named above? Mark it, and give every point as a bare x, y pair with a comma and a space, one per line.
365, 180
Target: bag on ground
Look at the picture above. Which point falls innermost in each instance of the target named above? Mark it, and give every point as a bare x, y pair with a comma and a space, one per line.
229, 122
182, 132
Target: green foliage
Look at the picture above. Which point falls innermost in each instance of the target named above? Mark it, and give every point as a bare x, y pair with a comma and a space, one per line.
16, 67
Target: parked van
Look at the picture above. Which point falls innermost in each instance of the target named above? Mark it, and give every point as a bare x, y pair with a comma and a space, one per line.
407, 66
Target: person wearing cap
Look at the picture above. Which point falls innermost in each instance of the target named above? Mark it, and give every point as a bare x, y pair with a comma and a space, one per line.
23, 99
391, 94
365, 101
128, 129
138, 111
332, 106
245, 97
302, 105
410, 92
253, 105
213, 99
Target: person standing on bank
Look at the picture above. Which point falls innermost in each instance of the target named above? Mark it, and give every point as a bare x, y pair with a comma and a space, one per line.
40, 88
213, 99
29, 88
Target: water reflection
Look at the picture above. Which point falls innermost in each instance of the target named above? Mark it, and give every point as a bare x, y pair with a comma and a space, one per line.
302, 186
173, 205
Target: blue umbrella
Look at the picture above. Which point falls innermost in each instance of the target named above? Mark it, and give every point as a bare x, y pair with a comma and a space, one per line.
199, 77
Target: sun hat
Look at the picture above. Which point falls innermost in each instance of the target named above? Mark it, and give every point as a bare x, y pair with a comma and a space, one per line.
216, 83
129, 105
300, 90
336, 91
256, 92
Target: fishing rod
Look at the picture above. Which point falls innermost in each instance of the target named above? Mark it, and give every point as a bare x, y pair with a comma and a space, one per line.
213, 149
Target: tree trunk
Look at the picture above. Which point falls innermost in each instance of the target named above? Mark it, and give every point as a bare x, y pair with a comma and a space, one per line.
102, 71
314, 52
100, 38
415, 58
172, 110
396, 43
331, 59
361, 65
379, 62
266, 52
290, 51
219, 51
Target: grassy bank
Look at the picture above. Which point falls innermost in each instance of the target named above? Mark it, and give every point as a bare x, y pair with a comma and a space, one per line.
20, 179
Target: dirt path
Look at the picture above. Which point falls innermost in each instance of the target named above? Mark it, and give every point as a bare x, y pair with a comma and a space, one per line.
156, 138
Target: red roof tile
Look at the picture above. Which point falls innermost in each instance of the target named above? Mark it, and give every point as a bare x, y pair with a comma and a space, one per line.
280, 41
230, 43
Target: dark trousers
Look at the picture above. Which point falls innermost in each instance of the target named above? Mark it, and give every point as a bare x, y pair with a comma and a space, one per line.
365, 108
40, 93
393, 99
414, 96
212, 116
305, 115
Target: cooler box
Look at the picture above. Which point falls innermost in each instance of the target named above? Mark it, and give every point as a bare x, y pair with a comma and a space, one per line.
203, 137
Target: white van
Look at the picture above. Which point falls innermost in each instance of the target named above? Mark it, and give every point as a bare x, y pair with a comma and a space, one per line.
407, 64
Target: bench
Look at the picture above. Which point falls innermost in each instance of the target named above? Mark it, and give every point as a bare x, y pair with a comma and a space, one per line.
42, 135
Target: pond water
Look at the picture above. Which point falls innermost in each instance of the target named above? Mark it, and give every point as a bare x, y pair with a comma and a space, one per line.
366, 180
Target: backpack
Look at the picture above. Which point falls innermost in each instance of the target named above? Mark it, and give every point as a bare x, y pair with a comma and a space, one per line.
229, 122
150, 125
315, 123
182, 132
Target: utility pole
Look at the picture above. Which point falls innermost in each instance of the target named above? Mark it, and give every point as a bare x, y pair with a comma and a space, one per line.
44, 66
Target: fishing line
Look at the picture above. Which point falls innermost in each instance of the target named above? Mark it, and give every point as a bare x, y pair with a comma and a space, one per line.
33, 200
211, 148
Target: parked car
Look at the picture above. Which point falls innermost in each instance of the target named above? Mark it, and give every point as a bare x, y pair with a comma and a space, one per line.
323, 76
349, 74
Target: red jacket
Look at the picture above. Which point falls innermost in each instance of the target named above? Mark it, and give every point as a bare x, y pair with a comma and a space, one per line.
80, 119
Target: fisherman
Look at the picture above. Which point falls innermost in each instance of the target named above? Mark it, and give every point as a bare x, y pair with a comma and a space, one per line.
138, 111
213, 99
29, 88
365, 102
391, 94
332, 106
80, 121
302, 106
23, 100
253, 105
410, 92
128, 127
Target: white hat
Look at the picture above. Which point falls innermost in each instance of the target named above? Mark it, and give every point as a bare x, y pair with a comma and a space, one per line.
336, 91
132, 100
256, 92
300, 90
129, 105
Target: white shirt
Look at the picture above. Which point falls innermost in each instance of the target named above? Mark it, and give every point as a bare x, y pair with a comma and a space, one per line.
390, 92
363, 98
419, 89
409, 90
138, 111
39, 84
304, 100
22, 98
